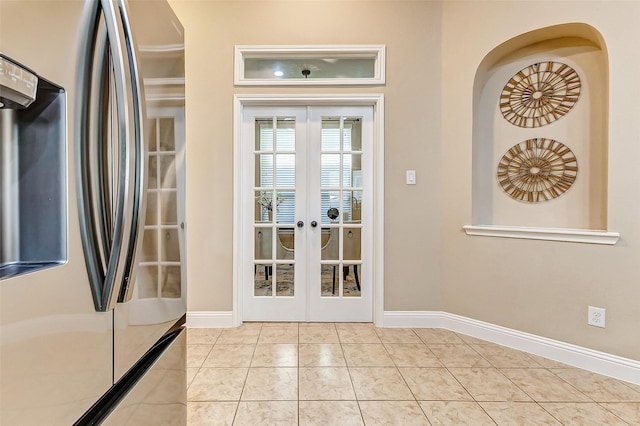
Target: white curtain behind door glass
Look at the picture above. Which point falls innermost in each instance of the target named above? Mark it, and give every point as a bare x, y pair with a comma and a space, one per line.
285, 141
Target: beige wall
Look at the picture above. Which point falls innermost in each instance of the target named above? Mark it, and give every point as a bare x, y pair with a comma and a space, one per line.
411, 33
541, 287
433, 51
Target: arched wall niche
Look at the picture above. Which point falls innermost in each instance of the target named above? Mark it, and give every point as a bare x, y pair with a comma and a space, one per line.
583, 129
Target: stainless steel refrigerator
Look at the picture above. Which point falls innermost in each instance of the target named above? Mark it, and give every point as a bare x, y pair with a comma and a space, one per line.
92, 231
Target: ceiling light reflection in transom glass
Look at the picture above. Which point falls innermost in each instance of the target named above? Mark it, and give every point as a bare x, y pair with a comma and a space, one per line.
319, 68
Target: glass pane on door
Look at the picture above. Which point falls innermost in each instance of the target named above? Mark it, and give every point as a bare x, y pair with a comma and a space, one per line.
351, 252
285, 249
274, 208
285, 280
352, 206
340, 204
263, 244
330, 280
351, 283
262, 280
329, 206
352, 134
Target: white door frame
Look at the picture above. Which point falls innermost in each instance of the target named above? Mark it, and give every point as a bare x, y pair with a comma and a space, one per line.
374, 100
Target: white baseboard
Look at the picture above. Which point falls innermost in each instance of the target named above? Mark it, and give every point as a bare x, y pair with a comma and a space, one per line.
588, 359
209, 319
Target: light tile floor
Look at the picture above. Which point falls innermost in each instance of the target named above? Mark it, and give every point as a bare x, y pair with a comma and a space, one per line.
357, 374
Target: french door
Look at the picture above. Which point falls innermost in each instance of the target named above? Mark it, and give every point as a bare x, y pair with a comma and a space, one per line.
307, 219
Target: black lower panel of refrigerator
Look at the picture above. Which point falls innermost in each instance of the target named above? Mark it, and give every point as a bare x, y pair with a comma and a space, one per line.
106, 404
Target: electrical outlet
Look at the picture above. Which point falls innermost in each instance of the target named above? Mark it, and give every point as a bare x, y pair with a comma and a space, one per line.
597, 316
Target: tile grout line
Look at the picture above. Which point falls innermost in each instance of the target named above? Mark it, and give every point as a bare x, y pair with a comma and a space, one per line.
246, 378
493, 366
405, 380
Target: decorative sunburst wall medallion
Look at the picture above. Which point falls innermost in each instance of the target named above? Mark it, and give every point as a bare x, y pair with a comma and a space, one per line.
540, 94
537, 170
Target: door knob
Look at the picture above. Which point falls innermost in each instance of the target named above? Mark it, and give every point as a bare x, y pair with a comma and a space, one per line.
314, 223
300, 224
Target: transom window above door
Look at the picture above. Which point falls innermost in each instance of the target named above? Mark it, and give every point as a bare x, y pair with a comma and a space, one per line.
310, 65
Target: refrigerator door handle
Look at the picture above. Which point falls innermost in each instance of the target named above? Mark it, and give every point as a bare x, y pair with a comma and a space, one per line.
129, 136
105, 161
96, 157
139, 149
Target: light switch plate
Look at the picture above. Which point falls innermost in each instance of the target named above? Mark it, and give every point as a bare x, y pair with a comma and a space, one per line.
411, 177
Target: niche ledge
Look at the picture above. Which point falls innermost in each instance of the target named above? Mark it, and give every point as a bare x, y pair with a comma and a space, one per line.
548, 234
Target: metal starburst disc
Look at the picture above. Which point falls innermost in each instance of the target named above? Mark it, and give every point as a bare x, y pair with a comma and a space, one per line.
540, 94
537, 170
